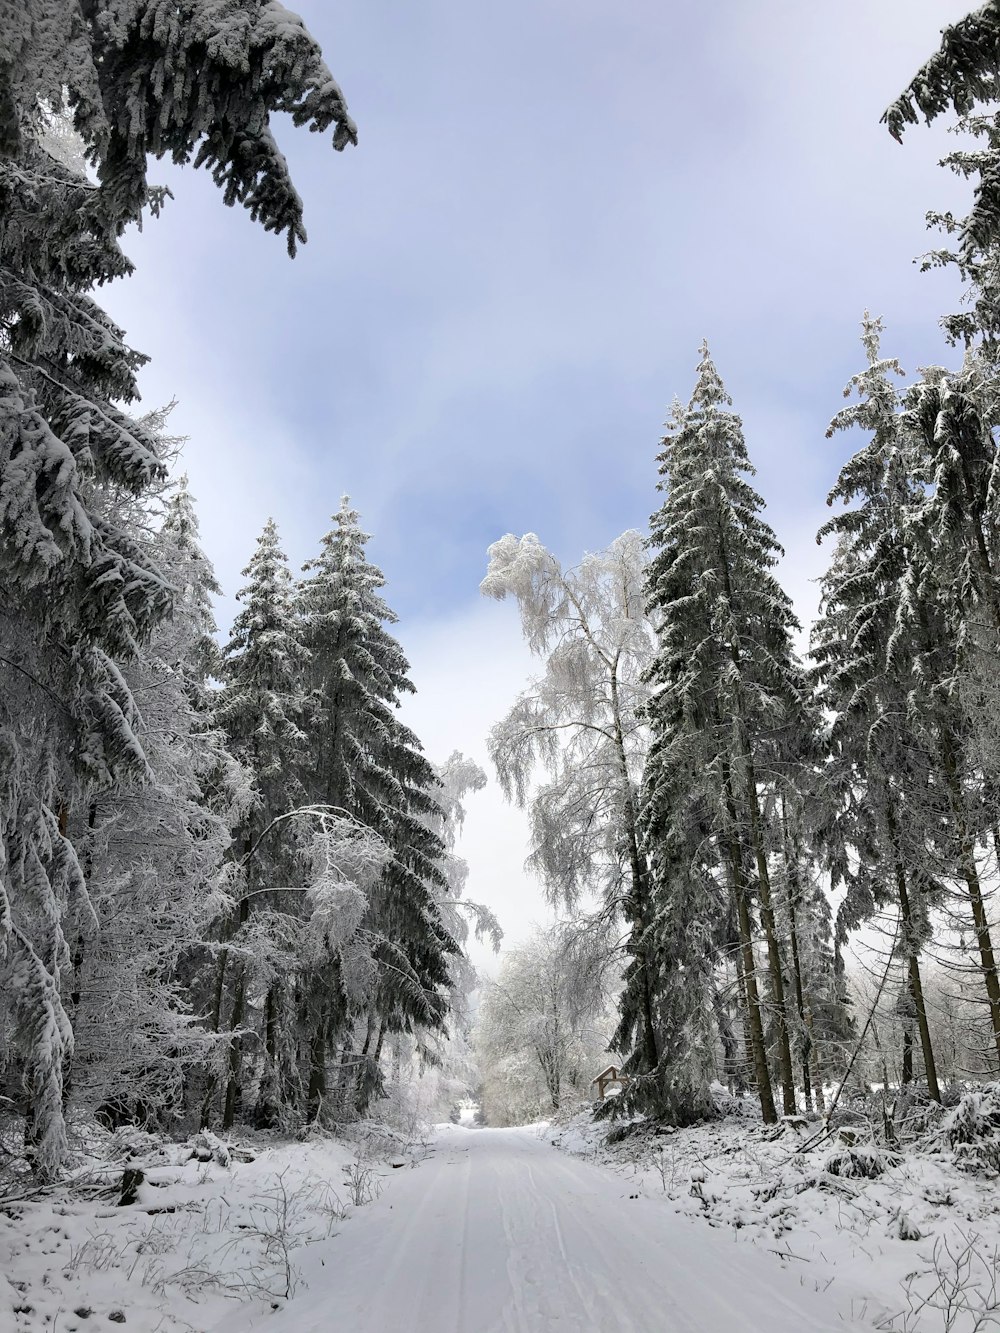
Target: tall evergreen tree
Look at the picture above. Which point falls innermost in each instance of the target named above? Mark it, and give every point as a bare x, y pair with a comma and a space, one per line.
878, 778
262, 708
950, 612
727, 694
365, 763
262, 703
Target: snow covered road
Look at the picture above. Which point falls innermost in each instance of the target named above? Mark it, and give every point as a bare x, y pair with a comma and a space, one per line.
498, 1232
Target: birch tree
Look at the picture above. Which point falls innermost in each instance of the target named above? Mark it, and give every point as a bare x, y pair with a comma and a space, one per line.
579, 728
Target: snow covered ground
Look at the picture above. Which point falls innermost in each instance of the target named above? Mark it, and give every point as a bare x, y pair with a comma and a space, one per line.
914, 1249
498, 1233
721, 1228
493, 1232
202, 1238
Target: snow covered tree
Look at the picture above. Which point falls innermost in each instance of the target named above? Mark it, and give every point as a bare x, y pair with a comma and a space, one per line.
364, 762
878, 777
262, 708
262, 702
906, 651
963, 76
432, 1071
461, 916
823, 1028
950, 612
154, 853
728, 707
142, 82
79, 595
543, 1027
581, 723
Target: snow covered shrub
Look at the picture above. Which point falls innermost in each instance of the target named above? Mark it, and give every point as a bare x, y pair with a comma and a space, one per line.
861, 1162
905, 1227
972, 1130
730, 1106
207, 1147
914, 1111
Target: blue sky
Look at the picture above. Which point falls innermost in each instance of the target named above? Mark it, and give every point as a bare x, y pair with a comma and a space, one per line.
551, 204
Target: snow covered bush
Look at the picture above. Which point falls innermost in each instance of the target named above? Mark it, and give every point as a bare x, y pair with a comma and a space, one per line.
860, 1162
972, 1130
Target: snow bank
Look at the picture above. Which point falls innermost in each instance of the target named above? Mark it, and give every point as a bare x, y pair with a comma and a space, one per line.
909, 1234
207, 1225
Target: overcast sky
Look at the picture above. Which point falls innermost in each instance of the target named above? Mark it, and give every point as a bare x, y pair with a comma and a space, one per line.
552, 202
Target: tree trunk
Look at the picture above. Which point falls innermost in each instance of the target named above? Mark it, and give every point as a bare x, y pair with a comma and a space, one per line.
730, 1045
819, 1101
740, 893
777, 982
215, 1024
235, 1050
640, 886
790, 853
744, 1009
912, 960
800, 1003
907, 1055
316, 1091
970, 873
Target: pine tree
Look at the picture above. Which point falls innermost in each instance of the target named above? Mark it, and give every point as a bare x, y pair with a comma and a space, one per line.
194, 581
365, 763
950, 610
262, 704
961, 76
727, 691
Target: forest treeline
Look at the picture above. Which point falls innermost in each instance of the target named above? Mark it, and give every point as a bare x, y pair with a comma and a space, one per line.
718, 816
226, 877
226, 870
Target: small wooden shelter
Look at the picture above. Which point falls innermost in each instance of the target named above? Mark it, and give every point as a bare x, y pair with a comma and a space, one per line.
609, 1080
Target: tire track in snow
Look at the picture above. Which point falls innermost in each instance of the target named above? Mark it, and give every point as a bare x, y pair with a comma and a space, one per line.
500, 1233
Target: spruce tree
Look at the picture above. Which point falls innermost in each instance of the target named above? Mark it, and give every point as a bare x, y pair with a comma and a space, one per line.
262, 702
878, 779
962, 75
262, 708
366, 764
727, 691
950, 611
959, 75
